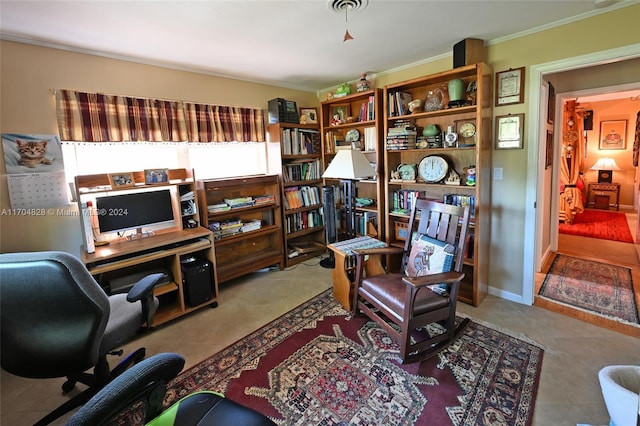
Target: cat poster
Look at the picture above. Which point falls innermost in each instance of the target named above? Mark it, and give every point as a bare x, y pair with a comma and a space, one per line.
25, 153
35, 171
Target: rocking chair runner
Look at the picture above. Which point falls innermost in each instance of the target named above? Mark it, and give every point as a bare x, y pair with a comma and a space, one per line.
433, 253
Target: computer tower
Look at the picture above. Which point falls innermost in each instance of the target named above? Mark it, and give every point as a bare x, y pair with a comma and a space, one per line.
197, 280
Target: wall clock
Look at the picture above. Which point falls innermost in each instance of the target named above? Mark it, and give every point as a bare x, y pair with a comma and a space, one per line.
433, 168
467, 133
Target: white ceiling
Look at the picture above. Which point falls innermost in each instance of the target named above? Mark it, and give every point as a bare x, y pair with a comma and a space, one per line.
295, 43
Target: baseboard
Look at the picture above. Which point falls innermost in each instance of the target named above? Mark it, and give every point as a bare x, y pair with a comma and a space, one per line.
507, 295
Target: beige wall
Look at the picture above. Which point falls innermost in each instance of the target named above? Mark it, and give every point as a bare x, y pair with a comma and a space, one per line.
27, 73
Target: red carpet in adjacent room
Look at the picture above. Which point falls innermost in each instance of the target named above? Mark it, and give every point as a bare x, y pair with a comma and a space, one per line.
601, 224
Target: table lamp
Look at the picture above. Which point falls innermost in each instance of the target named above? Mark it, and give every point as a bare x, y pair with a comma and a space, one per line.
349, 165
605, 167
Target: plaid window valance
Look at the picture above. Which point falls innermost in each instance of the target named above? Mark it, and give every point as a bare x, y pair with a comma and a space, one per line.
96, 117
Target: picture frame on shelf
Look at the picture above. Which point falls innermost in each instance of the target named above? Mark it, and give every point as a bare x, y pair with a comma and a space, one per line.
510, 86
339, 113
156, 176
121, 180
311, 114
613, 134
509, 131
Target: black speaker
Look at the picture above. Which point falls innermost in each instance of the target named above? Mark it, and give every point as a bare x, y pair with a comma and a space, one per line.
468, 51
197, 280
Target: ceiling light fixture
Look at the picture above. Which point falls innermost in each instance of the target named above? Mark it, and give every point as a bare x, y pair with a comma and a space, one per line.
345, 6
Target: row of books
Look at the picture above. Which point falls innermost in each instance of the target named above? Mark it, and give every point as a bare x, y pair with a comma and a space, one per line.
461, 200
403, 200
367, 110
307, 170
300, 141
303, 220
399, 103
304, 196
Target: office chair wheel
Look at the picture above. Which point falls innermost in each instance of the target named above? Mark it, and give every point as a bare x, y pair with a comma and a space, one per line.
68, 386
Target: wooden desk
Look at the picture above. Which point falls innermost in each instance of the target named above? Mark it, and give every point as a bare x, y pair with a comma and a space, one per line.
345, 264
594, 188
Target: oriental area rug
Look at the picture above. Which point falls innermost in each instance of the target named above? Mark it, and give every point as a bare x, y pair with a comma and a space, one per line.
316, 365
599, 224
600, 288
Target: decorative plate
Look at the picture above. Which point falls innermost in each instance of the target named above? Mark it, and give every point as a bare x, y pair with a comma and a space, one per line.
407, 172
352, 135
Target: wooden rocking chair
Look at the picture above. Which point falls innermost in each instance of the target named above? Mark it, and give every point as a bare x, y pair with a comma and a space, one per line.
426, 290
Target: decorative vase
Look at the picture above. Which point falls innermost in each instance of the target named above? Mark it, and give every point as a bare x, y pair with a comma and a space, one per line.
456, 89
456, 93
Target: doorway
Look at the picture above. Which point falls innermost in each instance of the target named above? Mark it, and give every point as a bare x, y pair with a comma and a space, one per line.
539, 181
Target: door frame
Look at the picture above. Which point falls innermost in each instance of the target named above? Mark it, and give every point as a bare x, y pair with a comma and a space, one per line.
532, 249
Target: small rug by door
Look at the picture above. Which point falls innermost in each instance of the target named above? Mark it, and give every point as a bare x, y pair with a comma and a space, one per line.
316, 365
595, 287
599, 224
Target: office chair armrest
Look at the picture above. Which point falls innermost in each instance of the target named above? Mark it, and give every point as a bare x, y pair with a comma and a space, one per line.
441, 278
146, 380
143, 291
144, 287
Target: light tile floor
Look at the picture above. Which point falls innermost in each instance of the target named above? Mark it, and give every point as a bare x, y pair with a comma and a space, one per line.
569, 392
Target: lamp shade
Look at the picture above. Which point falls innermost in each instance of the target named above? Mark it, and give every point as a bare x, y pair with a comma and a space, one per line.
349, 164
605, 164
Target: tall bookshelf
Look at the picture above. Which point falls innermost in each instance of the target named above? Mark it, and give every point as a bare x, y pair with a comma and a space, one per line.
366, 127
399, 190
303, 219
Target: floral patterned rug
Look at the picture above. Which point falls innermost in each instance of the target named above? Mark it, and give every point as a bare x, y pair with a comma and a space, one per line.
316, 365
596, 287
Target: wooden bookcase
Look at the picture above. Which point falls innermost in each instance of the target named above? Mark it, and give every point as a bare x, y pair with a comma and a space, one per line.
474, 287
366, 109
163, 250
303, 219
247, 237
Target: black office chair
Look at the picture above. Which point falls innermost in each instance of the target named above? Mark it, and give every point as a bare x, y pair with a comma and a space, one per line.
146, 382
57, 321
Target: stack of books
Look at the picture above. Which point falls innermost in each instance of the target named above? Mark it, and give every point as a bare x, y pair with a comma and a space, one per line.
235, 203
264, 199
251, 226
220, 207
225, 228
401, 136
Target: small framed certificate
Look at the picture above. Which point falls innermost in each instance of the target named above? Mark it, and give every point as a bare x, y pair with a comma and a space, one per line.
509, 131
510, 87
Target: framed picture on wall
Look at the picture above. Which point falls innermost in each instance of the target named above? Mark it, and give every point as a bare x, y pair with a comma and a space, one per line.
548, 161
510, 86
613, 134
551, 105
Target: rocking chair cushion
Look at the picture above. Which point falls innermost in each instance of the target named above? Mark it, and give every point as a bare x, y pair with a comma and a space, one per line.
429, 256
391, 292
